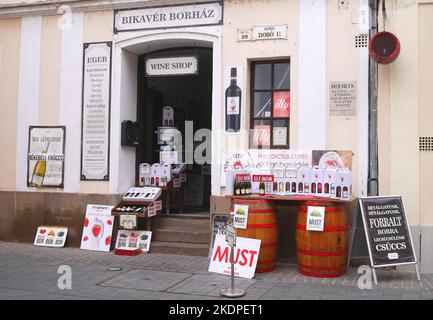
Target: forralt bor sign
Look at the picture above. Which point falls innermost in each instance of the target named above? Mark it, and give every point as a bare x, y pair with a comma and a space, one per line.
245, 257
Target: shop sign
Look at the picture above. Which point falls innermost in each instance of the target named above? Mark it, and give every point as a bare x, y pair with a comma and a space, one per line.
51, 236
133, 240
95, 137
98, 228
46, 156
172, 66
315, 218
386, 228
342, 98
240, 218
245, 257
200, 14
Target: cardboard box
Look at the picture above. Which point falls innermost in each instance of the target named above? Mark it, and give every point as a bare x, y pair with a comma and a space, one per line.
303, 180
343, 184
316, 181
167, 116
329, 182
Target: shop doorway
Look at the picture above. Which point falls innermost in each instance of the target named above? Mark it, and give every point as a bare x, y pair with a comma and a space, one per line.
190, 96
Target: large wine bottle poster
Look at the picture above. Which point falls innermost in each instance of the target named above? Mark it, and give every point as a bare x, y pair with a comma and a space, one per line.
233, 98
45, 160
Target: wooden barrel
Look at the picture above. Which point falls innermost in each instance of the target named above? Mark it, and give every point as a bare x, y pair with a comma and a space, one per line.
323, 254
262, 225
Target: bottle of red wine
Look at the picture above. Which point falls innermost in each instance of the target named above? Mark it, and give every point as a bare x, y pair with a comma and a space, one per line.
233, 104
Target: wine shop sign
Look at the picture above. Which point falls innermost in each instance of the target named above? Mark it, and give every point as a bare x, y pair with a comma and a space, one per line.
171, 66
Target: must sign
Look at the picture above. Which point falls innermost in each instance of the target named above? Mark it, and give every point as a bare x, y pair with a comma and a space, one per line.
386, 227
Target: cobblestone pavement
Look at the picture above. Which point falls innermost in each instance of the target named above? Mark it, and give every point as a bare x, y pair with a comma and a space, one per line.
29, 272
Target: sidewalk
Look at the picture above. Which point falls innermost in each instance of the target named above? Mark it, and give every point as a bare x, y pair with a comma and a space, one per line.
29, 272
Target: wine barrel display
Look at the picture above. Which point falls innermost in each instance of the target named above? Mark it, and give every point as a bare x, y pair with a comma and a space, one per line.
323, 254
262, 225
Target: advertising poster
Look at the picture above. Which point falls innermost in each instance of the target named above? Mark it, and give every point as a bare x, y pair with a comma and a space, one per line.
315, 218
47, 236
332, 159
233, 98
262, 136
240, 219
98, 228
246, 255
46, 154
96, 111
281, 107
219, 223
133, 240
386, 227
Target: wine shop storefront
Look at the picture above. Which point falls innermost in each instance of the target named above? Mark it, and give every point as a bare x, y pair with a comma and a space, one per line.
108, 89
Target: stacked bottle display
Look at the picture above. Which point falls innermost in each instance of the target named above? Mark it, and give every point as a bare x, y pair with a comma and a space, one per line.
242, 188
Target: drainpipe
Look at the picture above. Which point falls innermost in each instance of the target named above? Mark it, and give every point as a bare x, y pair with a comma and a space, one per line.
373, 189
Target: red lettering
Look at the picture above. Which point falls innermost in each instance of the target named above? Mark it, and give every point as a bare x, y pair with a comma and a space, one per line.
219, 256
253, 253
244, 258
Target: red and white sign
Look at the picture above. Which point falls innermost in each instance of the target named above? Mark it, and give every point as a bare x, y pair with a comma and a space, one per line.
243, 177
98, 228
245, 257
263, 178
133, 240
262, 135
282, 104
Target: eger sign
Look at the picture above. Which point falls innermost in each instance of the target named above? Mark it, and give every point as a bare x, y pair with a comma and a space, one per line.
169, 17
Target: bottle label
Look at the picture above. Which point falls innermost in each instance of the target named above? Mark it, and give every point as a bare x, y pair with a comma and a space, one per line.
37, 180
232, 105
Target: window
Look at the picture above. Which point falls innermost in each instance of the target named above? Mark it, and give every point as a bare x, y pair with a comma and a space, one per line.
270, 104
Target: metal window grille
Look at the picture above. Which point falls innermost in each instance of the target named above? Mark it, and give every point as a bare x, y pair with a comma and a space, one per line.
361, 41
425, 143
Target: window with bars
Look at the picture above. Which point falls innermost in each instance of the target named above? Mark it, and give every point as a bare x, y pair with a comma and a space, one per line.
270, 104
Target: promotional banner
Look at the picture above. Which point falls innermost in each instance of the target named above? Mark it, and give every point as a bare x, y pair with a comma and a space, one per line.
387, 231
51, 236
46, 156
98, 228
246, 255
95, 151
133, 240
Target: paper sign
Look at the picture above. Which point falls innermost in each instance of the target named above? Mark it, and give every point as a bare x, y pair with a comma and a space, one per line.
151, 211
158, 205
230, 235
246, 255
177, 183
240, 216
128, 221
51, 236
315, 218
133, 240
98, 228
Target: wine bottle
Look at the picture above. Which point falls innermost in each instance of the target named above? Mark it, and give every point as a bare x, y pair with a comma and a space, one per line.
237, 188
313, 187
39, 170
243, 188
248, 189
233, 97
262, 188
345, 192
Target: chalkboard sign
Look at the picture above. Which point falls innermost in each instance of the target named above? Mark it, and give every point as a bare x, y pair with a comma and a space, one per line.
386, 228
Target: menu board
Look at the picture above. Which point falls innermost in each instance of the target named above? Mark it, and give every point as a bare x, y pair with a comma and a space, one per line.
46, 156
388, 235
96, 111
51, 236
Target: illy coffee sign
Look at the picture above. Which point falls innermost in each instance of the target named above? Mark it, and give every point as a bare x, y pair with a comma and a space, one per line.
169, 17
172, 66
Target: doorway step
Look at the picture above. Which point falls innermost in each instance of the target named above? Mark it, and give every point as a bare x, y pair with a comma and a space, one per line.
183, 234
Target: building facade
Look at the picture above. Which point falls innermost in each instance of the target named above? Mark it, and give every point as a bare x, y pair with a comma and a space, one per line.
42, 58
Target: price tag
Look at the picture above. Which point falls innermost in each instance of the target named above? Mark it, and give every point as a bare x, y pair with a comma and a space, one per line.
151, 211
158, 205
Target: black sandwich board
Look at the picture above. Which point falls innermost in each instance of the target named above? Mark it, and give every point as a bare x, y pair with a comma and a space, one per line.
387, 232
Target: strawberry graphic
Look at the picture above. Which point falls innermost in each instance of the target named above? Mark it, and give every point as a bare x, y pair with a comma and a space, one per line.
86, 238
109, 222
42, 231
107, 241
86, 222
